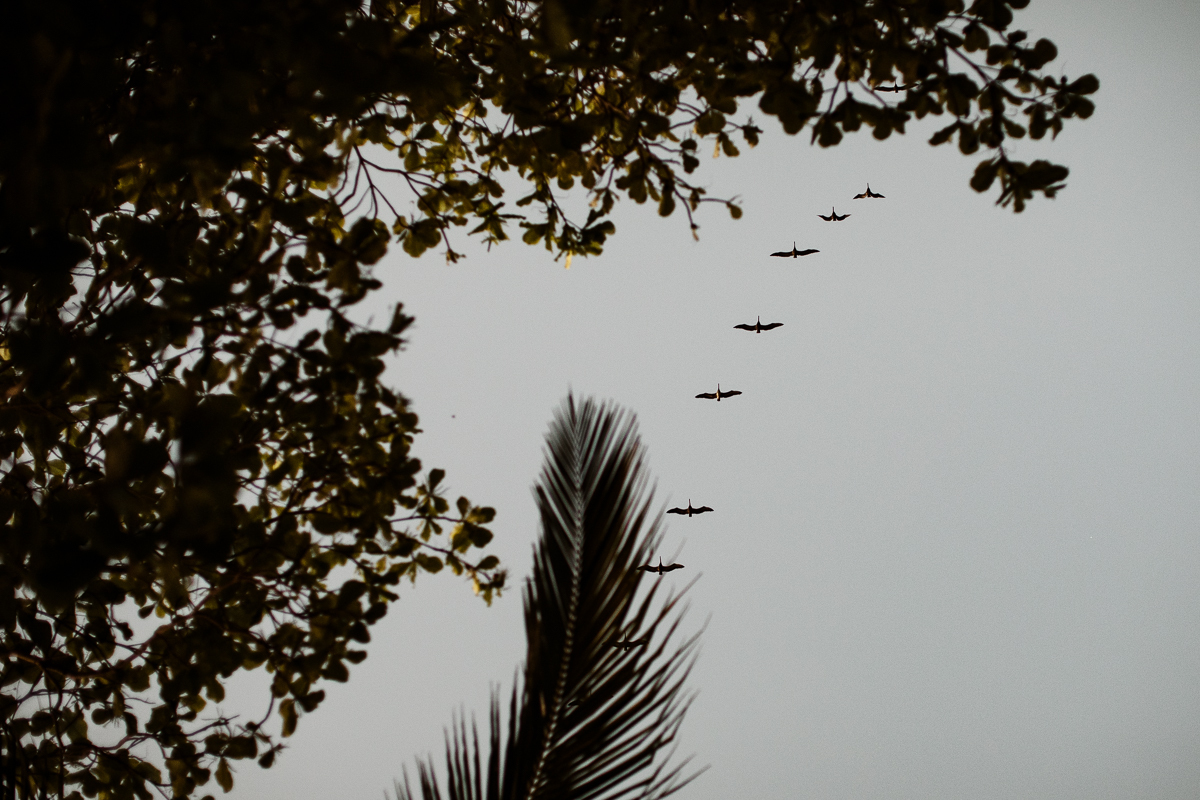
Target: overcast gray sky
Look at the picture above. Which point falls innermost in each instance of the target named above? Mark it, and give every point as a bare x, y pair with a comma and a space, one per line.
955, 551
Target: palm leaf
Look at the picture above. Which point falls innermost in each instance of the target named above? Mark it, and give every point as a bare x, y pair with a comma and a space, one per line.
586, 720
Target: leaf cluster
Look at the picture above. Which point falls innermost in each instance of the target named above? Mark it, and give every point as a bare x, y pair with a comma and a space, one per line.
201, 470
588, 720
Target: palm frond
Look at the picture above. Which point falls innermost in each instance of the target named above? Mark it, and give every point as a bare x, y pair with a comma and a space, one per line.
586, 721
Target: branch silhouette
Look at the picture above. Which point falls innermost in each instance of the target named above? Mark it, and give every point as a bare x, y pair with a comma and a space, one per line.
587, 719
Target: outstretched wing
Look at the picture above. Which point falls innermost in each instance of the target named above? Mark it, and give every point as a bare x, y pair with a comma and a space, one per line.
770, 326
729, 394
827, 219
782, 254
675, 511
864, 194
702, 509
646, 568
670, 567
745, 327
803, 253
874, 194
842, 217
709, 395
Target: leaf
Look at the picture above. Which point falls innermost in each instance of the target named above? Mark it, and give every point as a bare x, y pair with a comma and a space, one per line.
1088, 84
588, 719
224, 776
287, 710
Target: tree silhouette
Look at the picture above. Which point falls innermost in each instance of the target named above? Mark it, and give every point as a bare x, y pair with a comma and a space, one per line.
587, 719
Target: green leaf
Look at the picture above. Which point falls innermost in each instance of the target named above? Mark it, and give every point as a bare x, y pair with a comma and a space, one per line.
224, 776
287, 710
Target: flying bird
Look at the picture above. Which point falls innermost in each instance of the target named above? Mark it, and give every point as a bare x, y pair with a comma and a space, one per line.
868, 193
628, 644
895, 87
833, 215
660, 569
715, 396
689, 511
758, 327
793, 253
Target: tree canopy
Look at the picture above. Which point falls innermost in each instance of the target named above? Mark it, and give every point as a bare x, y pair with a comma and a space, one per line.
202, 469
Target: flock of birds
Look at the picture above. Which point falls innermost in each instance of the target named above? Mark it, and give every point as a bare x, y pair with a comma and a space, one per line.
758, 327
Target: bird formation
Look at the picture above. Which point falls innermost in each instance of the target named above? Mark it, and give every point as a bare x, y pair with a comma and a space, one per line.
758, 327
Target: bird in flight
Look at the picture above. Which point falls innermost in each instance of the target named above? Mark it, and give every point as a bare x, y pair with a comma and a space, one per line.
660, 569
629, 645
715, 395
895, 87
833, 215
868, 193
758, 327
688, 511
793, 253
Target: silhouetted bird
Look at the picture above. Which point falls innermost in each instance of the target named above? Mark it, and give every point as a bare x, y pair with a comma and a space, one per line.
689, 510
895, 88
793, 253
715, 395
629, 645
833, 216
868, 193
758, 327
660, 569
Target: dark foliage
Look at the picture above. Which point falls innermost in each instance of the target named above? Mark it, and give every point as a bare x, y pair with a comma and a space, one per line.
590, 718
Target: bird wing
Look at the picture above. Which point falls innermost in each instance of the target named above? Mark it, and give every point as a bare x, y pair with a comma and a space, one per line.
827, 219
646, 568
783, 253
670, 567
702, 509
708, 395
771, 325
677, 511
861, 196
729, 394
876, 194
842, 217
745, 327
807, 252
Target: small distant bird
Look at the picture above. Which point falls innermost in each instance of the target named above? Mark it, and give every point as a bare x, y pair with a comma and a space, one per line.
895, 87
793, 253
758, 327
868, 193
833, 216
630, 644
717, 395
660, 569
689, 510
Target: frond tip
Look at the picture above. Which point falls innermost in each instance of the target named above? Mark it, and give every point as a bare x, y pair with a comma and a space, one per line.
588, 720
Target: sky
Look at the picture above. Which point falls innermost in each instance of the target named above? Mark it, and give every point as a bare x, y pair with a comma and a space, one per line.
956, 543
